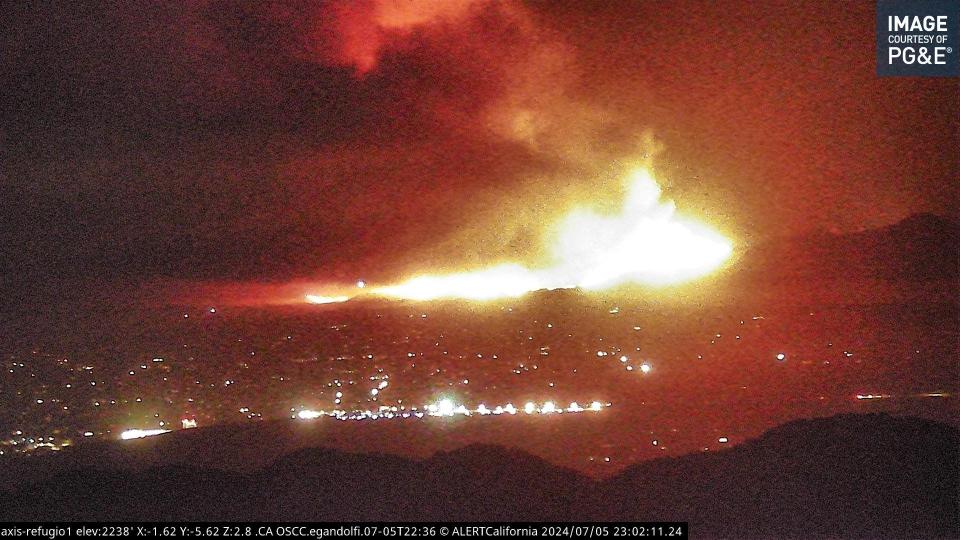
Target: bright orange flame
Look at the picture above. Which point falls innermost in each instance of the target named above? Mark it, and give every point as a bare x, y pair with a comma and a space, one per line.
645, 243
320, 299
504, 281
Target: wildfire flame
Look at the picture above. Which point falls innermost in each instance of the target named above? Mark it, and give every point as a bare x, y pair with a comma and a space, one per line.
504, 281
320, 299
645, 243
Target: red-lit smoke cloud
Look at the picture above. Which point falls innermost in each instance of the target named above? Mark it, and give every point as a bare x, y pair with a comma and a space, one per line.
479, 102
472, 66
357, 33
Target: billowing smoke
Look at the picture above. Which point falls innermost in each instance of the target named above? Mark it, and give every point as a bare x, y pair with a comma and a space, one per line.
483, 82
480, 131
357, 33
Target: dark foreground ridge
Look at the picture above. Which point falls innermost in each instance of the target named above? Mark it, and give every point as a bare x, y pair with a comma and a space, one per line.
850, 475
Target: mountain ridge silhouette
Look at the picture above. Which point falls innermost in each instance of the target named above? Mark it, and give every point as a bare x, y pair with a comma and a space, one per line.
847, 475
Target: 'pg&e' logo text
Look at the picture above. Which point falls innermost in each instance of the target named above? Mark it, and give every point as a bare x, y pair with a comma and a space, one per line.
917, 38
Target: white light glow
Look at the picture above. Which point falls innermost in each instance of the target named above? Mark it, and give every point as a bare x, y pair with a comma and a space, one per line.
321, 299
141, 433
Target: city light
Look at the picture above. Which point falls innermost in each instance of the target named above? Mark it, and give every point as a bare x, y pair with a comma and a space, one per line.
445, 408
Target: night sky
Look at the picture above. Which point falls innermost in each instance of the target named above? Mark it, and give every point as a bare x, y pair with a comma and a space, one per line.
290, 140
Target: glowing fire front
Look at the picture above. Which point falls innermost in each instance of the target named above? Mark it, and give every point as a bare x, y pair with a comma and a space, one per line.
505, 281
320, 299
645, 243
141, 433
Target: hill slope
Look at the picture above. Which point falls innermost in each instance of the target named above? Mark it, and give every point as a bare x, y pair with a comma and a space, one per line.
922, 247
